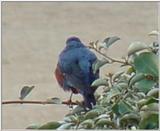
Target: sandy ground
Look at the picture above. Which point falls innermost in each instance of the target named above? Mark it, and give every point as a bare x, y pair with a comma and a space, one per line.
33, 35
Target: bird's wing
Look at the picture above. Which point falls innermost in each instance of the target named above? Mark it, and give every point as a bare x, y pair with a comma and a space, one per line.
80, 77
85, 67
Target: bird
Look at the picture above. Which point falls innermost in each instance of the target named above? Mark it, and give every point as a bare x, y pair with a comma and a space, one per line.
74, 70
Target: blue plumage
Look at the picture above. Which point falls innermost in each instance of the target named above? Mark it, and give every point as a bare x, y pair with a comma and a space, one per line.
75, 65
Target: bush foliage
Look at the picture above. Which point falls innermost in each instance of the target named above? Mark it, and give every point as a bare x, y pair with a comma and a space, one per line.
130, 96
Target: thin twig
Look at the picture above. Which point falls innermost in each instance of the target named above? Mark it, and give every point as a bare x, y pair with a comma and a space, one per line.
35, 102
112, 59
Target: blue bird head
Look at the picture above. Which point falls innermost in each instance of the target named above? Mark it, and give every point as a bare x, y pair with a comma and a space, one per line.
74, 42
73, 38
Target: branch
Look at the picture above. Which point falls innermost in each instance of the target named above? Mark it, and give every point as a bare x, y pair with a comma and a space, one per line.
37, 102
112, 59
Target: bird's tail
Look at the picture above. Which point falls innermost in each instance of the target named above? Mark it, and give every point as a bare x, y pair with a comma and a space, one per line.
89, 100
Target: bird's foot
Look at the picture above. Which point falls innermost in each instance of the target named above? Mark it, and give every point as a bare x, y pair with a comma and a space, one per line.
69, 103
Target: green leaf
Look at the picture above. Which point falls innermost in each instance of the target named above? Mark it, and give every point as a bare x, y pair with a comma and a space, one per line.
71, 119
122, 108
135, 47
100, 109
144, 85
131, 118
117, 75
124, 78
150, 107
54, 100
50, 125
97, 64
130, 70
141, 95
65, 126
154, 33
105, 121
25, 91
33, 126
121, 86
147, 63
87, 124
100, 82
102, 116
154, 93
113, 93
91, 114
146, 101
110, 40
149, 120
104, 101
136, 78
97, 95
78, 109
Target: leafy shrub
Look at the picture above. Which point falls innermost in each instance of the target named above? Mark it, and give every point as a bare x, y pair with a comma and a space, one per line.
130, 97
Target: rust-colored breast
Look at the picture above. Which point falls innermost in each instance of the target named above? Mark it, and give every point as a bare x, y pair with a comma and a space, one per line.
60, 79
59, 76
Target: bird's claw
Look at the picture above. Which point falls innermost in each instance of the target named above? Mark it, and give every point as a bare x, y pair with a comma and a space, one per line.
69, 103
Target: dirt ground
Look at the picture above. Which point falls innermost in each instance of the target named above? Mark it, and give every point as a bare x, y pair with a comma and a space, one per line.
34, 33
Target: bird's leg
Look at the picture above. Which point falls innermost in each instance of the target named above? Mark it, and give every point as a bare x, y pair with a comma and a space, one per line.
70, 100
78, 103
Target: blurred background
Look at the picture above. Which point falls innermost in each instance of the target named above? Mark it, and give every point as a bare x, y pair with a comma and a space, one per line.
33, 35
